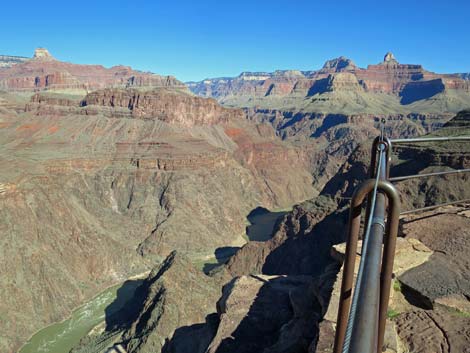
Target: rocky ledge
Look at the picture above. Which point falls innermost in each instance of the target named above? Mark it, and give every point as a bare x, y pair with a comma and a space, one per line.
165, 105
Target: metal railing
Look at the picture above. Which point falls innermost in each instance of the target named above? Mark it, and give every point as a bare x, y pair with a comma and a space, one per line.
363, 309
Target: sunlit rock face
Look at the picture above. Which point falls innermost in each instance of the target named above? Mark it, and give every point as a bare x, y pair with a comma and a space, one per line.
42, 54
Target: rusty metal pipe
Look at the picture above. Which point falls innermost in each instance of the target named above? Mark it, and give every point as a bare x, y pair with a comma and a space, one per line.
388, 255
366, 319
373, 306
350, 259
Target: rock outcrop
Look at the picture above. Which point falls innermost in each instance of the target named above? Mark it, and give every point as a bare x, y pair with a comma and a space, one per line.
164, 105
389, 58
447, 272
339, 64
343, 81
42, 54
177, 301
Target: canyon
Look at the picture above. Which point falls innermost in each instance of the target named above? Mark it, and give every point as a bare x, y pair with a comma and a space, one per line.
95, 189
109, 173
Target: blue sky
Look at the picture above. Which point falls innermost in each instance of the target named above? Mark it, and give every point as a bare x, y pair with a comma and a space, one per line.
194, 40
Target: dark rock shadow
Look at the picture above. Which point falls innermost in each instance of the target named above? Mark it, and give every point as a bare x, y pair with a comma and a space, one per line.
271, 322
263, 224
194, 338
330, 121
292, 120
308, 254
416, 298
320, 86
222, 255
415, 161
415, 91
129, 299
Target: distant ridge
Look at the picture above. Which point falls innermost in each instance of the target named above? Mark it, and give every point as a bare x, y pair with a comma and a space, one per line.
388, 87
44, 72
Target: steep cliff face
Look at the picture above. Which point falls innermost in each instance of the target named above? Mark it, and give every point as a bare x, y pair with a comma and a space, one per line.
168, 106
302, 126
390, 76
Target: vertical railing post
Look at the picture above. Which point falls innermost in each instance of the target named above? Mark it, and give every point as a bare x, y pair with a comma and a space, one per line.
367, 326
349, 263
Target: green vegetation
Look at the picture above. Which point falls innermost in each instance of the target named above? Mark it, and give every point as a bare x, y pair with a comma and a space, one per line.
396, 286
391, 313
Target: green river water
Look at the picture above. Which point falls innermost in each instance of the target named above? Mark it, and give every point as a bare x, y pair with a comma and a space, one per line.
63, 336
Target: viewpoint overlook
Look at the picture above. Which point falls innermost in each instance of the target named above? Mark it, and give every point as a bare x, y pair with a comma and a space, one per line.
144, 214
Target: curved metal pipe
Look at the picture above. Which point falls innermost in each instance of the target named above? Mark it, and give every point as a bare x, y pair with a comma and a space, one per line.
350, 259
387, 265
393, 220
